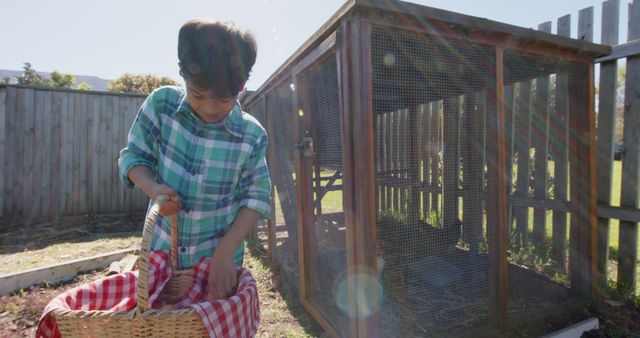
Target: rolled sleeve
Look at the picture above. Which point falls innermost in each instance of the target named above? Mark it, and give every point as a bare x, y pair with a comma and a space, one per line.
142, 142
255, 183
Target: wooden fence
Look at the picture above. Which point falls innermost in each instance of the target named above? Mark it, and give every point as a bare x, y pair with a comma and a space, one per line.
59, 151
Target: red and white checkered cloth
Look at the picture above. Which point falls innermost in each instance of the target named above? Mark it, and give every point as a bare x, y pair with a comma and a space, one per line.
237, 316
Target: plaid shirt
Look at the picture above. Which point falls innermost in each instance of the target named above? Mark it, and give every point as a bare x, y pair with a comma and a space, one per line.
216, 168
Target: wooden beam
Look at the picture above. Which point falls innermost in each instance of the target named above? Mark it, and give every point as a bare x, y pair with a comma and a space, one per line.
544, 203
307, 243
347, 46
621, 51
631, 215
60, 272
583, 251
497, 229
482, 26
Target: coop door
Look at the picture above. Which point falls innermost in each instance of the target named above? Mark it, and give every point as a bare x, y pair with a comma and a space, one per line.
320, 173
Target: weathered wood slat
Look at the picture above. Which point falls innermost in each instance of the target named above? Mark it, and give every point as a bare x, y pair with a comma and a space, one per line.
509, 145
26, 184
425, 154
630, 192
387, 158
522, 140
66, 158
540, 139
559, 145
56, 144
606, 126
395, 155
89, 136
450, 170
414, 142
10, 121
3, 147
46, 182
436, 142
472, 171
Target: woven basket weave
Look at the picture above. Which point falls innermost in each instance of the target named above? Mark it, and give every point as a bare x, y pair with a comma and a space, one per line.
143, 322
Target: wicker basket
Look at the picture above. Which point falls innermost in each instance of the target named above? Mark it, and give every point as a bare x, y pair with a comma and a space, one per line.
143, 322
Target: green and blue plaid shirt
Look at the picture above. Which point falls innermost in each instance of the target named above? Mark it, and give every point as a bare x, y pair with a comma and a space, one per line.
216, 168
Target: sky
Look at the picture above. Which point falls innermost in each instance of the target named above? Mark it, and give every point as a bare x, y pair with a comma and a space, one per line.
111, 37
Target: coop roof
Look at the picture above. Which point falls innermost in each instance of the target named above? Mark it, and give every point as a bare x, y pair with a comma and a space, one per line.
422, 16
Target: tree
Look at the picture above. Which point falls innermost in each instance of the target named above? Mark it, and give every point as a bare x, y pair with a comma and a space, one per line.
61, 80
84, 86
30, 77
6, 80
136, 83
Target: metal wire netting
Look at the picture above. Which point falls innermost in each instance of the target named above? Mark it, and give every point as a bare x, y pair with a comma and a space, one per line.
281, 127
543, 94
327, 236
429, 107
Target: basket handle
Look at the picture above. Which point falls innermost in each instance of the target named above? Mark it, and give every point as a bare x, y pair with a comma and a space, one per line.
145, 250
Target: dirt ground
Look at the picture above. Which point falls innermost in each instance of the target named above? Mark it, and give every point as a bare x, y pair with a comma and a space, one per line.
27, 245
24, 246
20, 312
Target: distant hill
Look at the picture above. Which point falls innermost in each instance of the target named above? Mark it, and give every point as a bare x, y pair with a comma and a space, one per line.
95, 82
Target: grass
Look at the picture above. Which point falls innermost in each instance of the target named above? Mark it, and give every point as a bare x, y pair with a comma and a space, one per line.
60, 252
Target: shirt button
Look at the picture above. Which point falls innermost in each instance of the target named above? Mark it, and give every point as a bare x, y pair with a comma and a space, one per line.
183, 249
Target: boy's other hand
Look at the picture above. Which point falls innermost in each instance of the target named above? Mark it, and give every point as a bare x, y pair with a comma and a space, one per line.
223, 279
168, 207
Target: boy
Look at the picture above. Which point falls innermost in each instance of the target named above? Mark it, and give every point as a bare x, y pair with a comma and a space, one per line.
200, 149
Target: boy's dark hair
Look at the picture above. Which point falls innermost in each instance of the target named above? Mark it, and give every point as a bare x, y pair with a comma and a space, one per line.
216, 56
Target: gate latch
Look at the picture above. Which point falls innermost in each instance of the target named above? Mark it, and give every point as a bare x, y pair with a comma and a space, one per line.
306, 146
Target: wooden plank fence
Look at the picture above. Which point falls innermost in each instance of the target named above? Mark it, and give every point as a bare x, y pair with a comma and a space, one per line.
59, 151
628, 212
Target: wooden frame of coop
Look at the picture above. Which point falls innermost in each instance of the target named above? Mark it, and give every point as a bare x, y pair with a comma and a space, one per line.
419, 122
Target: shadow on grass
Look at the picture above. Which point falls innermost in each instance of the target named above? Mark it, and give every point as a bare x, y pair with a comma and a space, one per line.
33, 235
289, 295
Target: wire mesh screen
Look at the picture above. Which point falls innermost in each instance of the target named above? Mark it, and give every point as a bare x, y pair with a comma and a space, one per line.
281, 126
259, 235
327, 235
429, 112
540, 97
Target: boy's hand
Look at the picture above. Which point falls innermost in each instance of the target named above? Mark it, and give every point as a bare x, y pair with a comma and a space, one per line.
223, 280
168, 207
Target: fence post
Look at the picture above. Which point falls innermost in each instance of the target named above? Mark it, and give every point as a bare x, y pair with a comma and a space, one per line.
629, 194
606, 128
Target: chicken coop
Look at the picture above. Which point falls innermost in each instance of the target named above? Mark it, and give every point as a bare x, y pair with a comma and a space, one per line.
421, 161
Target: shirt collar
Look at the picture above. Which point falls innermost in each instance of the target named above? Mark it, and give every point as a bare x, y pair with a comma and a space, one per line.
232, 123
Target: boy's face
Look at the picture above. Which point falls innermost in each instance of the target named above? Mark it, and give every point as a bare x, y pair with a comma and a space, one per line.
207, 106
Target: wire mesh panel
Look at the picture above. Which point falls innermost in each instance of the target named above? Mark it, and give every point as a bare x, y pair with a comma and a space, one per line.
429, 115
542, 95
326, 232
260, 234
281, 126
